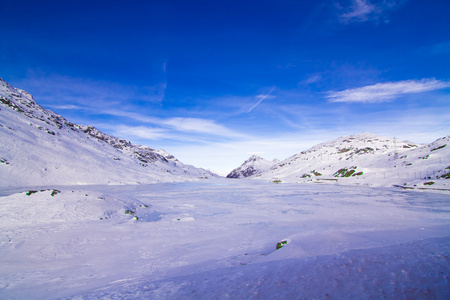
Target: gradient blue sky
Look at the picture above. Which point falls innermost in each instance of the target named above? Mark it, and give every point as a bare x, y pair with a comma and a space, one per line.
214, 82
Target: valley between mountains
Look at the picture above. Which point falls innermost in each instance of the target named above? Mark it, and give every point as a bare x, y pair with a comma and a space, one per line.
40, 147
86, 215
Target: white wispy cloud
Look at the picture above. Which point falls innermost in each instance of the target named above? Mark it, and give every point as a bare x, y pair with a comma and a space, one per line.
67, 107
105, 98
261, 99
141, 132
366, 10
382, 92
198, 125
132, 115
359, 11
63, 91
313, 78
179, 124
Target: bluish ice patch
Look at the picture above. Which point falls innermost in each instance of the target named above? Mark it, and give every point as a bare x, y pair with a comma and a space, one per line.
153, 216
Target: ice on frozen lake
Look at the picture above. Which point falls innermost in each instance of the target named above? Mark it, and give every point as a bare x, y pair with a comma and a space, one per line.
217, 239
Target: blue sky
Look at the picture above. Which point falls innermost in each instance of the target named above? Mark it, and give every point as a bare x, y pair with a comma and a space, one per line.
213, 82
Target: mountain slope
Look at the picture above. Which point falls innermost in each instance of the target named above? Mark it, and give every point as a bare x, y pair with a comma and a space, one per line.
40, 147
252, 166
367, 159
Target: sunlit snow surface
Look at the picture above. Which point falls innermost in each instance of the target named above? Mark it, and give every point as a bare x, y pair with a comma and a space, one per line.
217, 239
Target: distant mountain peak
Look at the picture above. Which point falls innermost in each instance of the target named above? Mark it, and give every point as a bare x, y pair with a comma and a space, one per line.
252, 166
254, 158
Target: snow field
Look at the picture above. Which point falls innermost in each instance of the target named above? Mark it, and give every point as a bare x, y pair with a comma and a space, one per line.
217, 239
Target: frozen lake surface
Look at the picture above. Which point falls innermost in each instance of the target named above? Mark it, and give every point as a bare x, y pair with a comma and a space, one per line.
217, 239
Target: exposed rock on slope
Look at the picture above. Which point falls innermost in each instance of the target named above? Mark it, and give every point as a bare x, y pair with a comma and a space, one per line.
252, 166
40, 147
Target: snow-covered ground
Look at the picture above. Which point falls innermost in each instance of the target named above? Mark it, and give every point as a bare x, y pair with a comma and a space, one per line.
217, 239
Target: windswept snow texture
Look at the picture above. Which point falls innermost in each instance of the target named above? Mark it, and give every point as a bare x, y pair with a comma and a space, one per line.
370, 160
39, 147
217, 239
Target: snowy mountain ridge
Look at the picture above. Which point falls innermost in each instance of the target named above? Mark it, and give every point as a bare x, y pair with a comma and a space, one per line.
365, 159
252, 166
40, 147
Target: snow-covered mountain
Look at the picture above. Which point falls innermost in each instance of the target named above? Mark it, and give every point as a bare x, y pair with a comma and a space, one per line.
253, 166
40, 147
366, 159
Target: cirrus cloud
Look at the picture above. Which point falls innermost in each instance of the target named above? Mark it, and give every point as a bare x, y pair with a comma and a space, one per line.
366, 10
203, 126
382, 92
